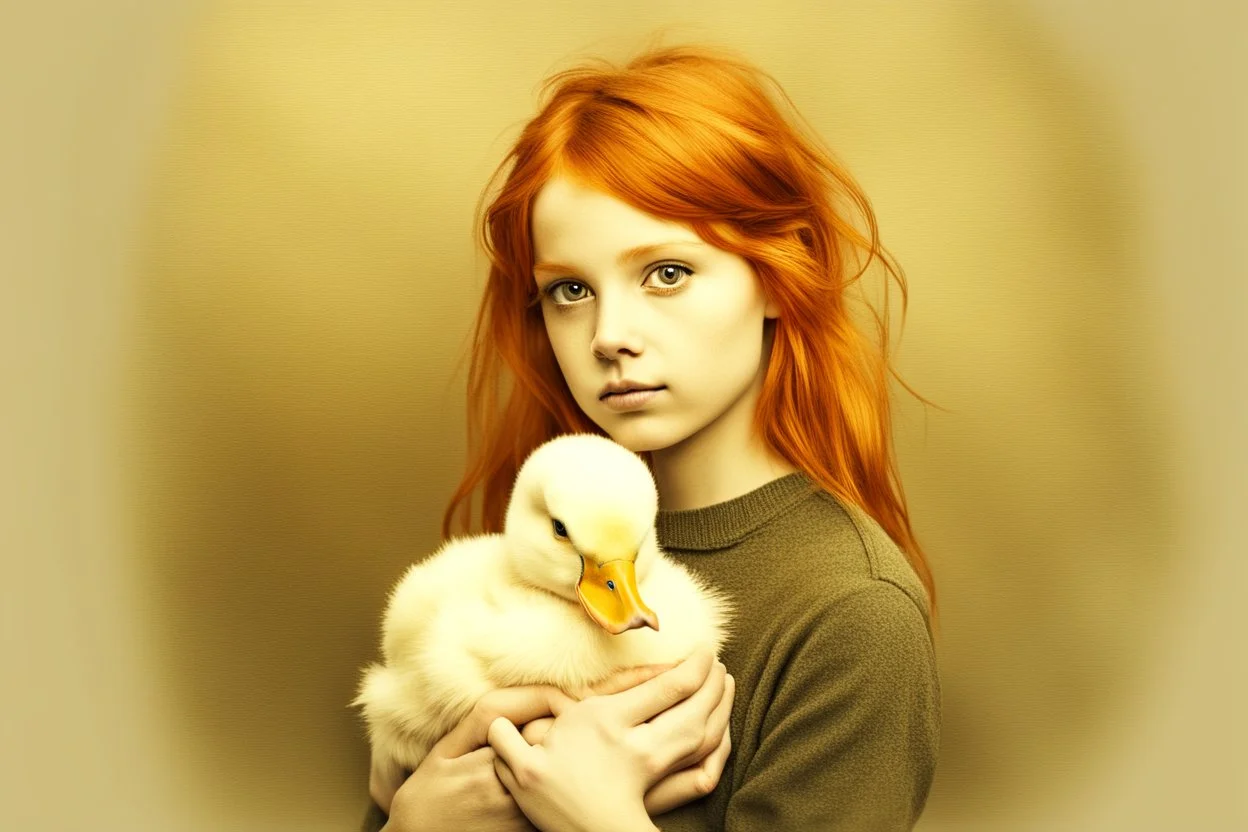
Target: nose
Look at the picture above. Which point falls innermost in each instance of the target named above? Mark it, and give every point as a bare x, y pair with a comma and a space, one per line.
615, 331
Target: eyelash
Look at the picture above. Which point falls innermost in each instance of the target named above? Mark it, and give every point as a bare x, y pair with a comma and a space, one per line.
551, 288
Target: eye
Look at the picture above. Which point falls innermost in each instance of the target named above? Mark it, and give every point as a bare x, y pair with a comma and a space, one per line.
567, 291
560, 529
611, 585
670, 275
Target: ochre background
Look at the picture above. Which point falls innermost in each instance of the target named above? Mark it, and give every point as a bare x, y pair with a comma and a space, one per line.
239, 246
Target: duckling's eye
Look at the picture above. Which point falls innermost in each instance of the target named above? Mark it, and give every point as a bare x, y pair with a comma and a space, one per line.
560, 529
611, 585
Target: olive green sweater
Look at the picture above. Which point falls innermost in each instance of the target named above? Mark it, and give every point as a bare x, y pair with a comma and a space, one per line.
836, 720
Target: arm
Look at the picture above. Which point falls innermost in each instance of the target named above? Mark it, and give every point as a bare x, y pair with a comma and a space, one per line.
850, 738
678, 787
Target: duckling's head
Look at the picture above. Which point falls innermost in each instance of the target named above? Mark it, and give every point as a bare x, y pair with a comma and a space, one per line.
580, 524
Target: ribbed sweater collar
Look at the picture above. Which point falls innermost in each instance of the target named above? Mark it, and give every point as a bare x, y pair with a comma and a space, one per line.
723, 524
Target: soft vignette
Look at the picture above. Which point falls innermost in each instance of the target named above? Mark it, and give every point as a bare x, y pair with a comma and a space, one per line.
129, 695
319, 168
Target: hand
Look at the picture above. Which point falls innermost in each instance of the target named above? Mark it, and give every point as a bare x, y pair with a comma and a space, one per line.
700, 776
455, 786
385, 776
601, 756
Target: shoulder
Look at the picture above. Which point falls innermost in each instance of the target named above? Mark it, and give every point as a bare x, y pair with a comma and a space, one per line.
875, 624
835, 602
869, 629
849, 561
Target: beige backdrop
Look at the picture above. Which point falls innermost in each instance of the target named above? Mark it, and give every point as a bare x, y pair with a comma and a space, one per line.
242, 255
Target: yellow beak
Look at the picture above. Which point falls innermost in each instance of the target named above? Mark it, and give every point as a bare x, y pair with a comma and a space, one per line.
609, 594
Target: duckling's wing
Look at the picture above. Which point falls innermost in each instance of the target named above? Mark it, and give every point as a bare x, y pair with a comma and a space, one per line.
424, 687
448, 579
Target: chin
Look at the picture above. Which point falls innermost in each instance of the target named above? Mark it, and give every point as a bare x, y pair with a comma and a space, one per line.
641, 436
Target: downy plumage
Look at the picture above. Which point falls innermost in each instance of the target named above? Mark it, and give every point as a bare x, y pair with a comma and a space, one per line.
556, 599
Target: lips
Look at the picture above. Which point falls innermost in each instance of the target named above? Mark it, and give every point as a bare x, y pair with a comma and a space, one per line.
616, 388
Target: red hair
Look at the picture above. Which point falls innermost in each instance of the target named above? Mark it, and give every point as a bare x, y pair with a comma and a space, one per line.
690, 135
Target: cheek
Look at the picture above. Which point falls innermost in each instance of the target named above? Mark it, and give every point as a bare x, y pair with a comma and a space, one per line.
733, 344
571, 353
560, 339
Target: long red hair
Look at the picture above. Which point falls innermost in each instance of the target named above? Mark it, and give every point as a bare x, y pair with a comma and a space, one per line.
689, 134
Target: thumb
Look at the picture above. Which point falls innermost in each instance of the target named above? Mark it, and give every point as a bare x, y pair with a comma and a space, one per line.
513, 756
510, 747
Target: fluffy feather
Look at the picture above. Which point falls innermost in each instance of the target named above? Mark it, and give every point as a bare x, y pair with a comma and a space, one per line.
501, 610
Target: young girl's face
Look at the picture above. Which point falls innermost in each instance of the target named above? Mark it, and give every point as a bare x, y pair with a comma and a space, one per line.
630, 299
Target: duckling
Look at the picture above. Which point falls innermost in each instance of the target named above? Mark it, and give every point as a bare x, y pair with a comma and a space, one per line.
556, 599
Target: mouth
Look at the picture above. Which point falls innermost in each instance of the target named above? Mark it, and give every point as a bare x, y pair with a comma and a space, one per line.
635, 400
624, 390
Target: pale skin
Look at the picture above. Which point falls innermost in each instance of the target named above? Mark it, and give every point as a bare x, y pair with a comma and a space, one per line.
625, 297
681, 314
594, 767
458, 785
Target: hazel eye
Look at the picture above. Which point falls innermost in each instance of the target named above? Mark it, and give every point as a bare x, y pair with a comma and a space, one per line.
568, 291
560, 529
669, 275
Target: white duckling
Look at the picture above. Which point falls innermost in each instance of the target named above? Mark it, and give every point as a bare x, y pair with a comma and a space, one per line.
555, 599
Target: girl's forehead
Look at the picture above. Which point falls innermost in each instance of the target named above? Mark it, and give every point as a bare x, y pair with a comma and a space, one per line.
565, 199
566, 213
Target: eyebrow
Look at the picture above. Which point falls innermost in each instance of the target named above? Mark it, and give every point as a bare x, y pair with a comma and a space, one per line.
625, 256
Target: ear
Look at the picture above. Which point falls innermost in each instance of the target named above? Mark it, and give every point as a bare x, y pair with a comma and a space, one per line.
771, 310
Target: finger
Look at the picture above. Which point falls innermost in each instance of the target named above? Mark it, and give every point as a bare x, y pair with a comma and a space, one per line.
384, 779
503, 772
716, 727
533, 732
512, 753
699, 705
518, 705
657, 695
691, 783
623, 680
677, 736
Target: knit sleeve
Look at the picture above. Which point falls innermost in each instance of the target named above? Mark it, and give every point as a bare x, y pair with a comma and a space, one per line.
850, 737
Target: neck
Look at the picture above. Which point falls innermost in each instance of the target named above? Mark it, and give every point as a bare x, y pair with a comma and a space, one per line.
724, 460
689, 479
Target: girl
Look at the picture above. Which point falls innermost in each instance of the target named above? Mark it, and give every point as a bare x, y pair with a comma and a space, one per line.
669, 265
